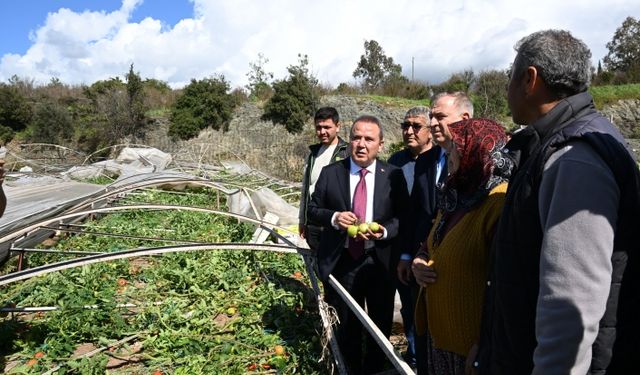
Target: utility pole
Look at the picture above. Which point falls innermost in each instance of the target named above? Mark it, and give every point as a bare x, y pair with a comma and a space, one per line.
412, 59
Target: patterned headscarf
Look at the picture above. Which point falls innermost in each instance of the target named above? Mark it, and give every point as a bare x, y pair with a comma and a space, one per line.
482, 164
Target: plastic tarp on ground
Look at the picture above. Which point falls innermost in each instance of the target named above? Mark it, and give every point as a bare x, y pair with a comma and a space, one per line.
40, 199
130, 161
32, 199
265, 200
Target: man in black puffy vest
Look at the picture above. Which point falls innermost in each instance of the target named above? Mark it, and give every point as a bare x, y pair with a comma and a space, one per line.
563, 295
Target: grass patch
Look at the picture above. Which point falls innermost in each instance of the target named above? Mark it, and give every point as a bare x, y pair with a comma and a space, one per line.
158, 112
389, 101
605, 95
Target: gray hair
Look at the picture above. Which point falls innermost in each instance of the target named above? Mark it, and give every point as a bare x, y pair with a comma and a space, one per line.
417, 112
460, 99
370, 119
563, 61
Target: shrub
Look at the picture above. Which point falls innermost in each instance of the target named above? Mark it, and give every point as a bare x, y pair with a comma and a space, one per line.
6, 134
346, 89
203, 104
51, 124
490, 95
293, 100
15, 111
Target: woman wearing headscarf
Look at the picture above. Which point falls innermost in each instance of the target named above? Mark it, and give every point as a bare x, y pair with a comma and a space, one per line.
451, 266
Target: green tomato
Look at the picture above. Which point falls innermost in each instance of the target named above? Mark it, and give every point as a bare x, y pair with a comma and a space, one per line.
363, 228
375, 227
352, 230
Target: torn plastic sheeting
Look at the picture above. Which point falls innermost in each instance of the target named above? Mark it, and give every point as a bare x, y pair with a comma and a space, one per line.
264, 200
131, 161
144, 157
85, 171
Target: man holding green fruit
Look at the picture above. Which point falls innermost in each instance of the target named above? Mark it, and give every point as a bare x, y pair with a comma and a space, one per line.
358, 202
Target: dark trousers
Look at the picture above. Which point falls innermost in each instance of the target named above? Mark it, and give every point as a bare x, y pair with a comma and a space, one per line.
368, 283
408, 295
421, 354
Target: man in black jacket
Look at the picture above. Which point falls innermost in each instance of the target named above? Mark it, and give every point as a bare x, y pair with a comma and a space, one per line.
416, 135
357, 190
562, 294
330, 149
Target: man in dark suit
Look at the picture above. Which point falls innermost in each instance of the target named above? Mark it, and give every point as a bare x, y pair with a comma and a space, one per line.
364, 265
422, 164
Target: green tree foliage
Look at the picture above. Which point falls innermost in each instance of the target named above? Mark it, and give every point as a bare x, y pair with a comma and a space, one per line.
117, 107
203, 104
6, 134
136, 95
51, 123
103, 87
624, 48
152, 83
375, 67
490, 94
259, 87
460, 81
293, 100
15, 112
25, 86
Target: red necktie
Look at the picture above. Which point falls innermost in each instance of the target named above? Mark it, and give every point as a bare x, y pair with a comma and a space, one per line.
356, 248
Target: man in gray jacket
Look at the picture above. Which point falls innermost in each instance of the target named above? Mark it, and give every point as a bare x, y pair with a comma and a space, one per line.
562, 295
330, 149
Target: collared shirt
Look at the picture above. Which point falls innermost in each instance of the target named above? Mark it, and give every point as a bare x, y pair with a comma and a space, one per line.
354, 178
322, 160
442, 162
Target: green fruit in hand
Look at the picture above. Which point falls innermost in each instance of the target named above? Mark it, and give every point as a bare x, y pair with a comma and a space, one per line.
375, 227
363, 228
352, 230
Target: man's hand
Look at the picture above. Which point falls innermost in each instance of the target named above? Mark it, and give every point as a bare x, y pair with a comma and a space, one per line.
301, 230
404, 271
423, 271
371, 236
346, 218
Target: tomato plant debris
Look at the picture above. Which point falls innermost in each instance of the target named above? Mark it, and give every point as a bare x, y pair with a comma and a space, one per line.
209, 312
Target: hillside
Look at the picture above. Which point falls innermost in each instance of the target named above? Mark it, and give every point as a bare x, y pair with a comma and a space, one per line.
267, 147
271, 149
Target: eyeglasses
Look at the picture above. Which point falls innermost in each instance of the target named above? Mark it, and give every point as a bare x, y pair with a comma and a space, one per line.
414, 125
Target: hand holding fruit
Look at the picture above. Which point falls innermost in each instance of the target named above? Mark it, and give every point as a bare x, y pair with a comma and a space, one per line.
345, 218
365, 231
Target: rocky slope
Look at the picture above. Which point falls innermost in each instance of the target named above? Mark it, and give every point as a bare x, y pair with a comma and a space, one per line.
271, 149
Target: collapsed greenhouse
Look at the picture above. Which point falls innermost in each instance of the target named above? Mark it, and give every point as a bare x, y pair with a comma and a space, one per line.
148, 263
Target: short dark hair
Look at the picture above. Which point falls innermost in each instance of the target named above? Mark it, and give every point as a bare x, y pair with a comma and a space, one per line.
326, 113
370, 119
563, 61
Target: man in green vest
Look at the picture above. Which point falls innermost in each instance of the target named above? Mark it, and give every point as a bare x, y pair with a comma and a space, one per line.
331, 148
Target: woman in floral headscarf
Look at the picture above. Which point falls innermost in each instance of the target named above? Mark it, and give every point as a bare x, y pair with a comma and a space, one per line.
451, 267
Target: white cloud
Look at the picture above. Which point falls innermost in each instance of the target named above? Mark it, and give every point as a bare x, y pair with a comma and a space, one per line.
224, 36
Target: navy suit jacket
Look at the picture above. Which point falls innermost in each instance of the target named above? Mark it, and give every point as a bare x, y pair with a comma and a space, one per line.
423, 208
332, 194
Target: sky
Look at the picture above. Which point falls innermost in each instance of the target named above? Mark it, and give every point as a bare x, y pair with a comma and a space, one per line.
82, 41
